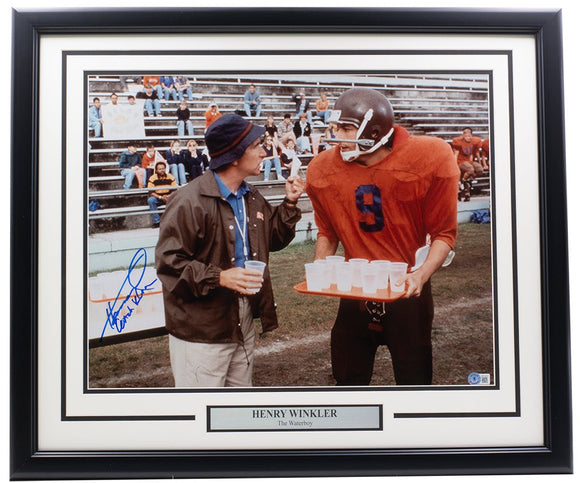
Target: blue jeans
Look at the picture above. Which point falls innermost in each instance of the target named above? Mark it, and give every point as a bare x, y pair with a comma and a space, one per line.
189, 93
303, 143
170, 92
252, 108
181, 128
151, 106
268, 167
129, 176
324, 115
154, 204
178, 172
97, 127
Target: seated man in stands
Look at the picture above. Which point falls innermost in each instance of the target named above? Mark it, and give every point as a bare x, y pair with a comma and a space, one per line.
465, 148
183, 87
302, 105
183, 120
152, 103
252, 102
286, 130
96, 117
159, 197
130, 167
168, 87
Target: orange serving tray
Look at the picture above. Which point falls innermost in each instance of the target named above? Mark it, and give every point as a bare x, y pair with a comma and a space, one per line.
382, 295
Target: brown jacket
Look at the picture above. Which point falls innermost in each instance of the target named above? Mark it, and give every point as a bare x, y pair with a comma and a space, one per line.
196, 242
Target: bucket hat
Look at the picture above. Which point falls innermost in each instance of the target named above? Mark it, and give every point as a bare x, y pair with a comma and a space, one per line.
228, 137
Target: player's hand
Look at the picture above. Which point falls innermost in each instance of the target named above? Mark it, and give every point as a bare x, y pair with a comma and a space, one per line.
414, 282
241, 280
294, 188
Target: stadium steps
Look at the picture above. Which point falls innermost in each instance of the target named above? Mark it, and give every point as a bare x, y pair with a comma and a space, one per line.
423, 104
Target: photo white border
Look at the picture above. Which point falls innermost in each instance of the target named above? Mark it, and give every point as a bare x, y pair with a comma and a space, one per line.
87, 434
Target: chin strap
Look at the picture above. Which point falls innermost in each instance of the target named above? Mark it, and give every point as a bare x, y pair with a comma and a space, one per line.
352, 155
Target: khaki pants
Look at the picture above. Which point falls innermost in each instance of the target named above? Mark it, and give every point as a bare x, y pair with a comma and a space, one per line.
198, 364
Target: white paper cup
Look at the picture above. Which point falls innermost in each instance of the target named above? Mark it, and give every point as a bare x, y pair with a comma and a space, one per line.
343, 276
382, 273
369, 278
314, 276
334, 260
255, 265
397, 271
357, 264
327, 272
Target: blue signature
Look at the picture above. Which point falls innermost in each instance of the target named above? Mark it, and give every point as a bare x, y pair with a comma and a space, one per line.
132, 300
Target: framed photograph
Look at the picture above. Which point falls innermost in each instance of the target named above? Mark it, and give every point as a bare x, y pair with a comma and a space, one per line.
110, 104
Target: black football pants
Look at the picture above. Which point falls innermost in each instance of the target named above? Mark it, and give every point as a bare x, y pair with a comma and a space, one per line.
404, 326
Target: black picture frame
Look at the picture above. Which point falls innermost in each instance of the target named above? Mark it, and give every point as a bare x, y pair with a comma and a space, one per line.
26, 462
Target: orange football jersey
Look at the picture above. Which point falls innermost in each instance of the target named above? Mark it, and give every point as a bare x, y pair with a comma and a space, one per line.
466, 149
387, 210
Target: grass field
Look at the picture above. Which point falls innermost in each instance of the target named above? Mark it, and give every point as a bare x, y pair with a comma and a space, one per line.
298, 352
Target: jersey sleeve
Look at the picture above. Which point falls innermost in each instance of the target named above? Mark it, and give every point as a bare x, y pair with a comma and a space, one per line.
441, 199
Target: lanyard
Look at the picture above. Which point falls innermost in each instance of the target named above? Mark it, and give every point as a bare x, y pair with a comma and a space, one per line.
243, 230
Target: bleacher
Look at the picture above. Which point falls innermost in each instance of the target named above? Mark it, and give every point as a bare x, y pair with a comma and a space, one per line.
435, 105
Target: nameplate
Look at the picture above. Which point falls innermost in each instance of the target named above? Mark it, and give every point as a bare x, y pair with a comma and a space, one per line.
295, 418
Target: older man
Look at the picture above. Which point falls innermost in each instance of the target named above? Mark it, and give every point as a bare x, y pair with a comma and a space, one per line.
210, 228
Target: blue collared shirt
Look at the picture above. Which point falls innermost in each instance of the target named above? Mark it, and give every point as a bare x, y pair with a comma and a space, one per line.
236, 201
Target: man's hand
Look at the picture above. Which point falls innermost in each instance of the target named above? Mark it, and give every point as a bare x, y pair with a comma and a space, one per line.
241, 280
415, 280
294, 188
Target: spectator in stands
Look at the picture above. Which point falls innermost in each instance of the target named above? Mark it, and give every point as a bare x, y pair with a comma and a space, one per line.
150, 157
302, 106
183, 120
130, 167
114, 99
271, 158
168, 87
194, 159
210, 298
465, 148
152, 102
176, 163
132, 104
211, 114
252, 102
322, 108
155, 82
272, 129
302, 131
96, 118
286, 130
159, 196
183, 86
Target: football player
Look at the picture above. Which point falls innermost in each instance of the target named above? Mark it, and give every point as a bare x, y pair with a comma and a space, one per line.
382, 193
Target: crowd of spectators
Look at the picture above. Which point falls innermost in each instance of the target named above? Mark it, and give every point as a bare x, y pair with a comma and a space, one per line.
283, 142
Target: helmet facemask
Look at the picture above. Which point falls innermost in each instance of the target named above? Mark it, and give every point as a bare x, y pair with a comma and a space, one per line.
363, 143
